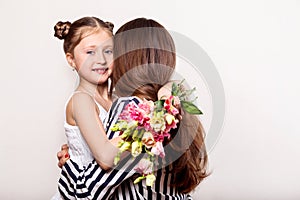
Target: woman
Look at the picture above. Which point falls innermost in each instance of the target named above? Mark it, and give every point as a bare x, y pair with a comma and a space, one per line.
144, 60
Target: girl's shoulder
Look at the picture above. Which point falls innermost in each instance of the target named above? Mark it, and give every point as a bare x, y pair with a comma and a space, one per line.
81, 100
78, 101
79, 96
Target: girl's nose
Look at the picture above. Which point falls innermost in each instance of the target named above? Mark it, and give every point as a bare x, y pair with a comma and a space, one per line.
101, 58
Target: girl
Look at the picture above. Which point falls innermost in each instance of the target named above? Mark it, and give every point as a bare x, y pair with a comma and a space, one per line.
88, 47
144, 55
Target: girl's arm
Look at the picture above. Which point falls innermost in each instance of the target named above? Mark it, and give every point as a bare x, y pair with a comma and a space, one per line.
87, 119
91, 182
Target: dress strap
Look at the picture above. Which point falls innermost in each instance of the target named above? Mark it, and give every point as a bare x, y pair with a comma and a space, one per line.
79, 91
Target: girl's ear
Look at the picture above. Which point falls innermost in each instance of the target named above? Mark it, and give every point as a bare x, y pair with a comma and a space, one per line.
70, 59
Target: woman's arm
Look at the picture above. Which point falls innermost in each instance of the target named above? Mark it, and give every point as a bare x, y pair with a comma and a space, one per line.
87, 119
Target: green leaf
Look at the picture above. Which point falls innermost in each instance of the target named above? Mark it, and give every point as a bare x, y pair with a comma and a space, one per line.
135, 134
174, 91
117, 158
139, 179
190, 108
159, 104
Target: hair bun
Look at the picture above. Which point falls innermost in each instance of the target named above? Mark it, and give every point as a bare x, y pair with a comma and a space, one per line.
110, 26
62, 29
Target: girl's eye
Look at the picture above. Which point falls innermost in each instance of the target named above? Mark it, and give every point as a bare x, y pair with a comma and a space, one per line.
108, 51
90, 52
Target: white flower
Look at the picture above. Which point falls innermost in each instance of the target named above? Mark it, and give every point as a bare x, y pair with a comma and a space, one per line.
145, 166
158, 149
148, 140
157, 122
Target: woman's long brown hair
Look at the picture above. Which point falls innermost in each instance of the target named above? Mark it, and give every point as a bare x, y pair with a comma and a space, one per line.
144, 60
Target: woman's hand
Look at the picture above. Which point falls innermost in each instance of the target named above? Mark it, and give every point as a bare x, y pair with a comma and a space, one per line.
63, 155
165, 92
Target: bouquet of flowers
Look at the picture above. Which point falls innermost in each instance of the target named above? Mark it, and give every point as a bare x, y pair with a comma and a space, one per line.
143, 128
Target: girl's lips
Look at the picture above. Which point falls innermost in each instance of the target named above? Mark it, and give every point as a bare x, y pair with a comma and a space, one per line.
100, 70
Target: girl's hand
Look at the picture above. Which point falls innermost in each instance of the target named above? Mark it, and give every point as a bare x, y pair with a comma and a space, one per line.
63, 155
115, 141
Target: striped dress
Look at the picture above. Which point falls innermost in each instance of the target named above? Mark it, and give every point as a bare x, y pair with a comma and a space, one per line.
91, 182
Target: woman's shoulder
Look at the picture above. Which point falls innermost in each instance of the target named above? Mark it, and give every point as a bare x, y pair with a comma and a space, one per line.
117, 108
127, 100
120, 103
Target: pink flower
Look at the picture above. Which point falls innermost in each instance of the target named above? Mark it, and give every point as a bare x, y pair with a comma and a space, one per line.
147, 125
125, 114
158, 149
147, 106
159, 136
132, 112
168, 105
137, 115
144, 167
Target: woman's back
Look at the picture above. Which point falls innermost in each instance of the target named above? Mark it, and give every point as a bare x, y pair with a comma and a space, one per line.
161, 190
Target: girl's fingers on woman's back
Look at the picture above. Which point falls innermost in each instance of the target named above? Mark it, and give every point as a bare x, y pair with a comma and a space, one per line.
62, 157
64, 146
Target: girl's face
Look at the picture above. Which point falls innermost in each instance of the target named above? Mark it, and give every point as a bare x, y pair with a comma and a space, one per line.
93, 57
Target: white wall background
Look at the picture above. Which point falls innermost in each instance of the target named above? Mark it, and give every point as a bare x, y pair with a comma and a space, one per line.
255, 46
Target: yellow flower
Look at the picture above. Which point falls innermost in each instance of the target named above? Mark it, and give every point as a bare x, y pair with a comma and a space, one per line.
150, 178
136, 148
169, 118
125, 146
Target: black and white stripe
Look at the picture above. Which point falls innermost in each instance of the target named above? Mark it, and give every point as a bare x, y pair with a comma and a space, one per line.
92, 182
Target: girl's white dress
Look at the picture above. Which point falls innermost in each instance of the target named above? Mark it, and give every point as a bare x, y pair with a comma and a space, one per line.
78, 148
